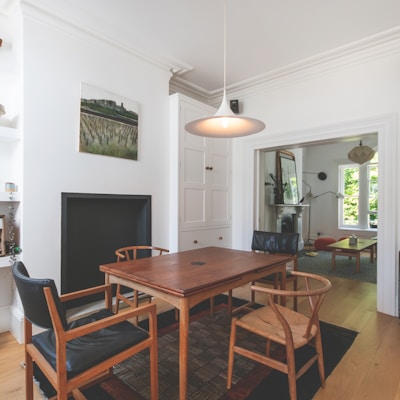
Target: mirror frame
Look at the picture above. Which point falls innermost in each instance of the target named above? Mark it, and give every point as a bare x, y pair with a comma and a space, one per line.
287, 191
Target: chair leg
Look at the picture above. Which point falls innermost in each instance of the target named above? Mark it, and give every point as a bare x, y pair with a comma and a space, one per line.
136, 303
295, 297
291, 366
28, 360
231, 353
321, 368
117, 299
28, 377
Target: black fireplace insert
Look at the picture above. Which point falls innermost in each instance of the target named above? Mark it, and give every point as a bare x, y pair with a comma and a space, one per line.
93, 226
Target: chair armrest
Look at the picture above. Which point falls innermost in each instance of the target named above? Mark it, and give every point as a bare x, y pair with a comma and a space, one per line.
86, 292
109, 321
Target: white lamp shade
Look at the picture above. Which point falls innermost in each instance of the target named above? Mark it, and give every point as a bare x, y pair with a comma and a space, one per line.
225, 124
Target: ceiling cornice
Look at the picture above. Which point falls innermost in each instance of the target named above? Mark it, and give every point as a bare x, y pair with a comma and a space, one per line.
29, 8
372, 47
369, 48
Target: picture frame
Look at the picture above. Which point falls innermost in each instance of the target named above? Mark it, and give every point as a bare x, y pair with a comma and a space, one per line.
109, 124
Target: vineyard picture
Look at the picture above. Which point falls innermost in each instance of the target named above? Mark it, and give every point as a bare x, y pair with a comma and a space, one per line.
108, 124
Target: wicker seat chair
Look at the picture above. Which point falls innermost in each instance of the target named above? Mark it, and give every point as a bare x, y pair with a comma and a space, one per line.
286, 327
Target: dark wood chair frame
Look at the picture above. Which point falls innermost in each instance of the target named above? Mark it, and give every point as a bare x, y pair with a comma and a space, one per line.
58, 377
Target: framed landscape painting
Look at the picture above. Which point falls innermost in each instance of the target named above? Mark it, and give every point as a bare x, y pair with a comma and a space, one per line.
109, 124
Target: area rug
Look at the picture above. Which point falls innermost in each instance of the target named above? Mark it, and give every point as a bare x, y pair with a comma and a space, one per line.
208, 348
321, 264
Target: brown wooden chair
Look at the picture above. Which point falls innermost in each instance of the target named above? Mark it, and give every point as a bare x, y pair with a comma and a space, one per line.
76, 354
286, 327
130, 253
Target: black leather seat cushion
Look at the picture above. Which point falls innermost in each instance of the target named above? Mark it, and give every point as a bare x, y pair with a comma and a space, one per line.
90, 350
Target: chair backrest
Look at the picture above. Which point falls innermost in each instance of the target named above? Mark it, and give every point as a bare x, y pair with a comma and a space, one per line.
34, 300
133, 252
315, 292
275, 242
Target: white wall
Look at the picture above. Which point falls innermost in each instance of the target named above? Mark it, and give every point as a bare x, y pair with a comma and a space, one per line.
359, 97
57, 58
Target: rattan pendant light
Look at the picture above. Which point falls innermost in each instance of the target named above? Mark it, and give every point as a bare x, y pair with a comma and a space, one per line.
361, 154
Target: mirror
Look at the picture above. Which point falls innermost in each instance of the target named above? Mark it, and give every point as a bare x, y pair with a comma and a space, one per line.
287, 190
2, 240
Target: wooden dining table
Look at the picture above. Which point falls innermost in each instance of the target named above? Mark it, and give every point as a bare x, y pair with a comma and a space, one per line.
186, 278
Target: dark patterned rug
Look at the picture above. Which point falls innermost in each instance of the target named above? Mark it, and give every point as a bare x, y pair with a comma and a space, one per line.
208, 348
321, 264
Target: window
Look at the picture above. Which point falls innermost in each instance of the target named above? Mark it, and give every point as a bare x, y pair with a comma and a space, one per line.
359, 185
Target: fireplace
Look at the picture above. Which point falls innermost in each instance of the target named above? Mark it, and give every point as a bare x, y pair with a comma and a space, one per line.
289, 219
288, 223
93, 226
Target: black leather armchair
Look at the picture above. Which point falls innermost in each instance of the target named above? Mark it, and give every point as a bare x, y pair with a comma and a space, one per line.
73, 354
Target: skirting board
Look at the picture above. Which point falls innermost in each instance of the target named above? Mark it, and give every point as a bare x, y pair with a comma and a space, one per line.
5, 318
16, 323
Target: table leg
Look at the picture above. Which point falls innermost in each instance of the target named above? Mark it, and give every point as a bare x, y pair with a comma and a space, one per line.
358, 261
183, 348
333, 259
372, 254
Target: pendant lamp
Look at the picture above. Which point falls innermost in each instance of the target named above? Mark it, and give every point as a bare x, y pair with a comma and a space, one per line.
361, 154
224, 124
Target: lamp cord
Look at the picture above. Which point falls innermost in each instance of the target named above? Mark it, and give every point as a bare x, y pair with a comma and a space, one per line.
224, 48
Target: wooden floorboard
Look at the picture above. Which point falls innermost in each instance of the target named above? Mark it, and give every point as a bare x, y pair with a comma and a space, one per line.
369, 370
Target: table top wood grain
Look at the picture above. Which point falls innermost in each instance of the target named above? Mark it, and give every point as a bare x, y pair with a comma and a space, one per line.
184, 273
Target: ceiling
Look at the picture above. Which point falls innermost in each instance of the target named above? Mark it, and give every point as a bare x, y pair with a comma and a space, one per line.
262, 35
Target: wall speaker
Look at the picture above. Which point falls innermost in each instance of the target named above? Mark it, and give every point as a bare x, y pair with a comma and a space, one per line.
234, 106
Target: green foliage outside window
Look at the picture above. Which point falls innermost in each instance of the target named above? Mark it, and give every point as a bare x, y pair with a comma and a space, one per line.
373, 195
351, 192
351, 187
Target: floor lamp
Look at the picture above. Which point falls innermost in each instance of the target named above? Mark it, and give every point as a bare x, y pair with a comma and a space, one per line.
309, 197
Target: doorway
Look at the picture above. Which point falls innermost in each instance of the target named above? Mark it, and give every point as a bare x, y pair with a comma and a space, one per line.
250, 181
